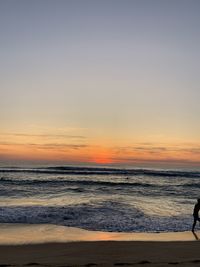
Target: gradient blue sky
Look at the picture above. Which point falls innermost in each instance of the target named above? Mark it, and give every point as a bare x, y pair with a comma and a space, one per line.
108, 77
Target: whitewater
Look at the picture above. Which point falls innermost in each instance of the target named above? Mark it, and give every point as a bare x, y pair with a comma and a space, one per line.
103, 199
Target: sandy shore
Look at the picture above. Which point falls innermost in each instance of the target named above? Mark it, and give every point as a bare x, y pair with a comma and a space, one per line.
19, 246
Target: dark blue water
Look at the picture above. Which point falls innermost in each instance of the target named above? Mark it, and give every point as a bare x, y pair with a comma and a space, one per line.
107, 199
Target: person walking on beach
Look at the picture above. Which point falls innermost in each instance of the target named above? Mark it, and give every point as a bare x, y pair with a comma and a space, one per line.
196, 213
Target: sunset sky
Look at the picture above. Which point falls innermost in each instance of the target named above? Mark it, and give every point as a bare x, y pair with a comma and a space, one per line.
100, 82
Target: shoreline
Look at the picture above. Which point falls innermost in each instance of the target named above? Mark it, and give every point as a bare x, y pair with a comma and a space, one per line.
19, 234
56, 246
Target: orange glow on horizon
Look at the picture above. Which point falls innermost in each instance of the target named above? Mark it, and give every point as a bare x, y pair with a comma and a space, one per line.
102, 159
100, 154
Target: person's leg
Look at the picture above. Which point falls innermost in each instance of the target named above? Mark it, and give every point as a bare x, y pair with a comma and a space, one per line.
194, 224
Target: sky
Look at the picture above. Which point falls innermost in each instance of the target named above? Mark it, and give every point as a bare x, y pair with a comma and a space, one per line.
100, 82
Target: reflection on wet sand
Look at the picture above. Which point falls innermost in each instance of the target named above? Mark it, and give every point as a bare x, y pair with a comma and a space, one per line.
46, 233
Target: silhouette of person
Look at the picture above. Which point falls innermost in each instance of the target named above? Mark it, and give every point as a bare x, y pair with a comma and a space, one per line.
196, 213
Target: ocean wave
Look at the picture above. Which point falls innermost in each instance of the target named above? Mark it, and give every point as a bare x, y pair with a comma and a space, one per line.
107, 216
193, 185
101, 171
61, 182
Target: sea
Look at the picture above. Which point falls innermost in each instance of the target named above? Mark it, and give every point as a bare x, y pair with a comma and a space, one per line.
100, 198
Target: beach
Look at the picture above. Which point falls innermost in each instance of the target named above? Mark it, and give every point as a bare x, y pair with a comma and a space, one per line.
78, 216
50, 245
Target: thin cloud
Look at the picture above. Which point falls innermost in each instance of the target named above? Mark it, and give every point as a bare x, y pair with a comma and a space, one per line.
153, 149
150, 149
60, 146
51, 146
44, 135
166, 160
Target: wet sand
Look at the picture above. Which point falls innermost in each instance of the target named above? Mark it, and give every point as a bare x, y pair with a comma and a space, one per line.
110, 252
